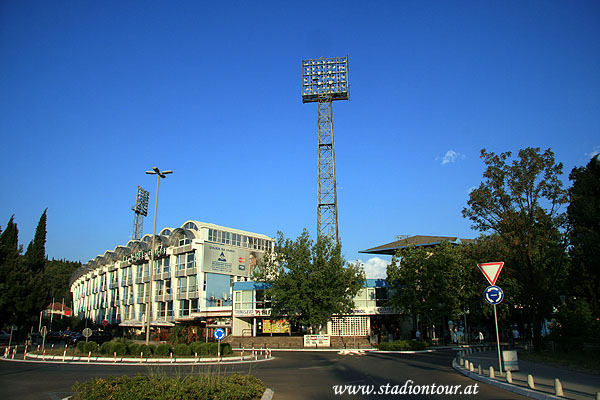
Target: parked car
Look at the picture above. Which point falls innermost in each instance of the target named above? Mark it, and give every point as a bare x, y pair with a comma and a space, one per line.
54, 336
97, 336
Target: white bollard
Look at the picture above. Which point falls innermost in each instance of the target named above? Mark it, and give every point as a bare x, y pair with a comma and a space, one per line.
115, 353
530, 382
64, 355
479, 369
467, 364
25, 352
195, 357
558, 390
141, 355
461, 362
492, 375
597, 395
508, 376
242, 352
89, 355
171, 355
471, 367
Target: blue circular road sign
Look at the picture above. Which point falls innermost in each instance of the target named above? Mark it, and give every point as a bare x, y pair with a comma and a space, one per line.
219, 333
493, 295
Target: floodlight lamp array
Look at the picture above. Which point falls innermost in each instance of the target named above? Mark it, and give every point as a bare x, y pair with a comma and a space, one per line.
325, 77
141, 201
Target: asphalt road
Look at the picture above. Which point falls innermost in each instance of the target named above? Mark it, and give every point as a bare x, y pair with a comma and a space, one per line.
292, 376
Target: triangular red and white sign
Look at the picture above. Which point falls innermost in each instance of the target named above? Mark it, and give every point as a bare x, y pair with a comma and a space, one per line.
491, 270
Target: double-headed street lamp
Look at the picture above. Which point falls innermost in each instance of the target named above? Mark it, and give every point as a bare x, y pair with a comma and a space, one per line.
159, 174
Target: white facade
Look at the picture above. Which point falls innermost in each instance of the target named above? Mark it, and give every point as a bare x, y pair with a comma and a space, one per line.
195, 267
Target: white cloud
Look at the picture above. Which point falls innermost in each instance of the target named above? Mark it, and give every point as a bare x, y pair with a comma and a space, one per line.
375, 268
594, 152
451, 156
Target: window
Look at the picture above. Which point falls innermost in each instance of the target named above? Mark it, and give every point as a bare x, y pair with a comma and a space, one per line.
160, 288
190, 260
181, 262
184, 241
192, 283
165, 265
244, 241
184, 308
244, 300
381, 295
195, 303
190, 225
204, 283
182, 284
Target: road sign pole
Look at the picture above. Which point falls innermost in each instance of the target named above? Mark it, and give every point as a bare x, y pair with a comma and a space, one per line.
498, 340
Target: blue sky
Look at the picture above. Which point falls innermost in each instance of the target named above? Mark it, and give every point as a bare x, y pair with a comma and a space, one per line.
93, 93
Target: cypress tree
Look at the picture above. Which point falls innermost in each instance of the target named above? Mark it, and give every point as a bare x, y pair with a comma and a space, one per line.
9, 260
36, 251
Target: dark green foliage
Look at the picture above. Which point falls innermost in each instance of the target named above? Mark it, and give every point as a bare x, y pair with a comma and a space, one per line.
182, 349
226, 349
56, 275
520, 202
148, 350
90, 346
242, 387
428, 282
81, 347
36, 251
120, 348
310, 281
200, 348
403, 345
28, 282
107, 348
575, 325
133, 349
584, 234
163, 349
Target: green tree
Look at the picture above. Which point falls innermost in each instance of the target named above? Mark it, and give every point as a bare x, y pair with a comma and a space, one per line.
36, 251
310, 282
57, 274
431, 283
521, 202
584, 234
9, 267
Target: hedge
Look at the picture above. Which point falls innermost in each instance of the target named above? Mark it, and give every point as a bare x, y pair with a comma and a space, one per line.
182, 349
244, 387
403, 345
163, 349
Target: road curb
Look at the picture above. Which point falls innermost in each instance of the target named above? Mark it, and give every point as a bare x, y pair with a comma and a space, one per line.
268, 394
534, 394
36, 358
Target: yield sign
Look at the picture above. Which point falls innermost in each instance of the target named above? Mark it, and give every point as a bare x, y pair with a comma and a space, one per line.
491, 270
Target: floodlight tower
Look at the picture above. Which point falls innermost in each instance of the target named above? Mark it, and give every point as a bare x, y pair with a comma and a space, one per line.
323, 81
140, 210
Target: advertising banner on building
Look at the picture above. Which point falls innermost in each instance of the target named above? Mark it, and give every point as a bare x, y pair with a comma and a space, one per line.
279, 326
222, 259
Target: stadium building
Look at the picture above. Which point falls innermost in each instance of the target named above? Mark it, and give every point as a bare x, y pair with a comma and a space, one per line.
195, 268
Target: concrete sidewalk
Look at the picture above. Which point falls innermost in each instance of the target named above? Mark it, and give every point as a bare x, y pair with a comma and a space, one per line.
576, 385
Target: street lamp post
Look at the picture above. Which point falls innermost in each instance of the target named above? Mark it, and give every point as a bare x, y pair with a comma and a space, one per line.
159, 174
